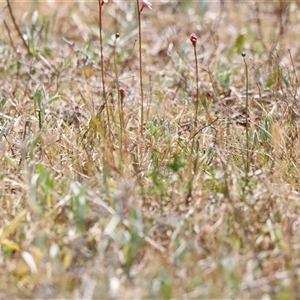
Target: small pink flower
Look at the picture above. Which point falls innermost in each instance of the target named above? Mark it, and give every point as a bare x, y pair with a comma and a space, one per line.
193, 39
146, 3
122, 92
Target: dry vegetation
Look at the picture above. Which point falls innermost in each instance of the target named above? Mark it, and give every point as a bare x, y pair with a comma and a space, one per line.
94, 207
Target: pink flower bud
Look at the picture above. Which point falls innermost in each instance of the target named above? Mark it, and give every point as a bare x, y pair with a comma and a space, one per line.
146, 3
122, 92
193, 39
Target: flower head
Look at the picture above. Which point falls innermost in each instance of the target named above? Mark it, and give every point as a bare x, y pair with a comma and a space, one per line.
193, 39
122, 92
146, 3
104, 1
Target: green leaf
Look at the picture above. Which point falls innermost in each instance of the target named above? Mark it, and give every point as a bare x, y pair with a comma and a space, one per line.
238, 45
177, 163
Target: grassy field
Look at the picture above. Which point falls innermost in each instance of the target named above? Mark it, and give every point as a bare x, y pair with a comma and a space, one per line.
138, 162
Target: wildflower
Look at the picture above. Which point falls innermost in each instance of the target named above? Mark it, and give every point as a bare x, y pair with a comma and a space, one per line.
193, 39
146, 3
104, 1
122, 92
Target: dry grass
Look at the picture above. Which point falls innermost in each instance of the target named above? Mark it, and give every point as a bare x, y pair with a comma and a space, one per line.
91, 209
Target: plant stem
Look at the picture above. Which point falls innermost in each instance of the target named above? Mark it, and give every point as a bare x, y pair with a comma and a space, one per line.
17, 27
120, 97
102, 66
247, 120
117, 81
197, 92
141, 68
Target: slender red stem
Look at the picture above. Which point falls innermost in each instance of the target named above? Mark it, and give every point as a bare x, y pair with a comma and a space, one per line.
197, 91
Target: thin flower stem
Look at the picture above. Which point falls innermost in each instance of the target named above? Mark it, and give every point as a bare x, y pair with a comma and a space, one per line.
194, 160
117, 81
120, 96
141, 68
196, 151
247, 120
102, 65
197, 92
